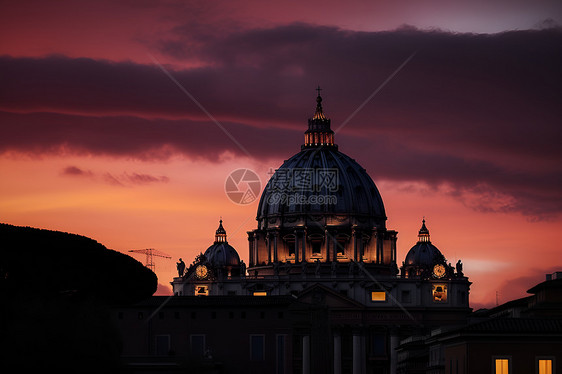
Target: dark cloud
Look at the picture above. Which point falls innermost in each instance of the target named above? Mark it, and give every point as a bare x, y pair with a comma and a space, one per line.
126, 179
476, 114
137, 178
75, 171
122, 180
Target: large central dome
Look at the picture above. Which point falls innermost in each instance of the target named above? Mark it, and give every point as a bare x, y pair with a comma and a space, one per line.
321, 207
320, 183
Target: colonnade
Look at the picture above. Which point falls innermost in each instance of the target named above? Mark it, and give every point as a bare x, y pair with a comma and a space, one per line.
359, 356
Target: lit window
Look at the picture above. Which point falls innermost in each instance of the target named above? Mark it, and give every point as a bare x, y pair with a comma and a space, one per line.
545, 366
378, 296
439, 292
316, 248
260, 293
502, 365
201, 291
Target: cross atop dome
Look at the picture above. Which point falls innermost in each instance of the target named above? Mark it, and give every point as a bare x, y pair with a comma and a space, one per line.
319, 132
319, 114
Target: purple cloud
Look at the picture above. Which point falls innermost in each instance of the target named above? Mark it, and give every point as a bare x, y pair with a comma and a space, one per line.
477, 113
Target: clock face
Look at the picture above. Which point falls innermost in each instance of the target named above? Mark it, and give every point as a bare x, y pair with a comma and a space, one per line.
439, 270
201, 271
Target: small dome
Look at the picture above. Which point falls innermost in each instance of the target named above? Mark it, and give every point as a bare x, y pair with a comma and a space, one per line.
222, 254
424, 254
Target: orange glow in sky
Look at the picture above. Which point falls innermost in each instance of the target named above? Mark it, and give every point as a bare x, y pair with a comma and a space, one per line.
121, 121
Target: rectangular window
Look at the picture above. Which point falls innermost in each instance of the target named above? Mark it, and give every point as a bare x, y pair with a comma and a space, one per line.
281, 354
201, 291
197, 343
340, 247
502, 366
162, 345
257, 347
378, 348
439, 292
316, 247
260, 293
378, 296
406, 296
545, 366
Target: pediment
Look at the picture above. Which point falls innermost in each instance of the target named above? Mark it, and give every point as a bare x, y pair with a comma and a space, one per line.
318, 294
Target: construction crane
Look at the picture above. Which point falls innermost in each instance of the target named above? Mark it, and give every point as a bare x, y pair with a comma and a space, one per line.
150, 253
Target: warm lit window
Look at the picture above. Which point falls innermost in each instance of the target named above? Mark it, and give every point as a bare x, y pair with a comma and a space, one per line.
316, 248
378, 296
502, 366
545, 366
439, 292
260, 293
201, 291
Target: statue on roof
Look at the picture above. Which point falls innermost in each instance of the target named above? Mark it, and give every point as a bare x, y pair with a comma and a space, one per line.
459, 268
181, 267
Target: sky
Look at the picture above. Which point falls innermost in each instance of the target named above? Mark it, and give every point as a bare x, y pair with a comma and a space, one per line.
122, 120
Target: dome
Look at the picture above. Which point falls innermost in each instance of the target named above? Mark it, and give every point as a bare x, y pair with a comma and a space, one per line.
222, 254
320, 181
424, 254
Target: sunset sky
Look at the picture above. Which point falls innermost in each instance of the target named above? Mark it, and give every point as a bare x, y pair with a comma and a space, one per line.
122, 120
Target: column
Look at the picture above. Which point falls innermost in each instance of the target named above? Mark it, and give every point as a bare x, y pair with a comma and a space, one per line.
354, 234
337, 352
327, 244
251, 245
275, 255
296, 246
303, 244
334, 244
359, 358
255, 241
394, 341
306, 354
378, 247
268, 239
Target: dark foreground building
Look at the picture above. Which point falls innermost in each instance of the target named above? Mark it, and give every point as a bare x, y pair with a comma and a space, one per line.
323, 291
520, 336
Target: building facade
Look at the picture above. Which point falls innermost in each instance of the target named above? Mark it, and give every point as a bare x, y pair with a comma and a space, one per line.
321, 257
520, 336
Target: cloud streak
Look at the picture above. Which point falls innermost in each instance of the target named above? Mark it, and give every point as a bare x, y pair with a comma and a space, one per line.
474, 115
124, 179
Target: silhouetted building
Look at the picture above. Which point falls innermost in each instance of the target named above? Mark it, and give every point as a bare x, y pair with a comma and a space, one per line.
322, 292
520, 336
